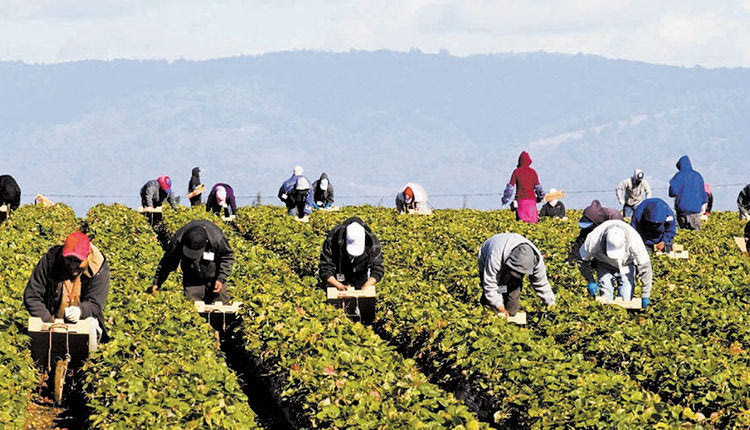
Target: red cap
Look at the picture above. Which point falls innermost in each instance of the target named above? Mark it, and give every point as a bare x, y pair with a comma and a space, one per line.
165, 182
409, 194
78, 245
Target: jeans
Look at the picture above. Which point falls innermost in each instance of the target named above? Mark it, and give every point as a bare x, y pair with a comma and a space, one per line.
610, 277
627, 211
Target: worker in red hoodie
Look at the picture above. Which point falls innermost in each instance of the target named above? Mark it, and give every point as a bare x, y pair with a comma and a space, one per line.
529, 191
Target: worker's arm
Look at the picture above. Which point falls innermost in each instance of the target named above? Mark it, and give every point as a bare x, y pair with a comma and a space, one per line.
376, 261
95, 296
326, 265
329, 198
541, 284
226, 260
619, 191
170, 200
670, 230
33, 295
645, 272
167, 264
489, 266
586, 257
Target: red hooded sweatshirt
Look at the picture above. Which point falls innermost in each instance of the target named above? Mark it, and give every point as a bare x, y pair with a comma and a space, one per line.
524, 178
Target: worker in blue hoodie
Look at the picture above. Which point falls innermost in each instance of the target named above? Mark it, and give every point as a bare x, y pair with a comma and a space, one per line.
689, 193
654, 220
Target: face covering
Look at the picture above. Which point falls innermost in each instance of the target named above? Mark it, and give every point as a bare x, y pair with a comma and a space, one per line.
73, 266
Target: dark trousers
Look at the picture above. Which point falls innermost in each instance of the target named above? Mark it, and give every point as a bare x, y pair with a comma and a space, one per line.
206, 294
689, 221
511, 300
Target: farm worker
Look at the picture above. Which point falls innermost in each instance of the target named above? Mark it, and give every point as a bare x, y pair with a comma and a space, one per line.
553, 208
155, 191
743, 202
503, 261
654, 220
351, 256
205, 257
618, 252
710, 200
632, 191
10, 193
195, 180
295, 193
528, 192
747, 236
322, 192
221, 200
687, 187
593, 216
412, 199
70, 282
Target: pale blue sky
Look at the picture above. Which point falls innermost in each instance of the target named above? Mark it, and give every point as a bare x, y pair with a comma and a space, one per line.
675, 32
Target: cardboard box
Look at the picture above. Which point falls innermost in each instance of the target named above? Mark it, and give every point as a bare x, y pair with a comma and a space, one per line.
219, 315
357, 304
76, 339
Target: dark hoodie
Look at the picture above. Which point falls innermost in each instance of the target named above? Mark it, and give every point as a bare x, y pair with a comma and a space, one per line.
524, 178
10, 192
195, 180
687, 187
654, 220
321, 197
335, 260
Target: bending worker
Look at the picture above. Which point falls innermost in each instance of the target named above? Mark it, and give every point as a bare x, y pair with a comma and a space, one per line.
221, 200
593, 216
618, 252
322, 192
635, 190
528, 190
71, 282
206, 259
654, 220
296, 195
351, 256
10, 193
503, 261
155, 191
412, 199
743, 202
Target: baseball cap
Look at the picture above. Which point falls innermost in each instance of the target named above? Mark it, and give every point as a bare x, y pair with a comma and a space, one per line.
355, 239
408, 194
194, 242
77, 245
165, 182
298, 170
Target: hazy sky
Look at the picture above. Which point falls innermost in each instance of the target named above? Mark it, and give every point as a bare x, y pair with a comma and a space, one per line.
677, 32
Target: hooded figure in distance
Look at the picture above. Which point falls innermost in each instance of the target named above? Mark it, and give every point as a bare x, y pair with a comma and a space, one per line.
195, 180
654, 220
528, 190
689, 193
322, 192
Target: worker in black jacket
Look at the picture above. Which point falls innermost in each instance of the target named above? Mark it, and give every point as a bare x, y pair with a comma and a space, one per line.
70, 282
203, 253
553, 208
351, 256
10, 193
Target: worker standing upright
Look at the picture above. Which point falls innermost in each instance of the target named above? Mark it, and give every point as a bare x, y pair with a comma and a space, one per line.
195, 182
528, 190
689, 193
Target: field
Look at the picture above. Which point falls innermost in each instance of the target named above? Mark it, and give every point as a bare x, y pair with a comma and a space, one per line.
433, 358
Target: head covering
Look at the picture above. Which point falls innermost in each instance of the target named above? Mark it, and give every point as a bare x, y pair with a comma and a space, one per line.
194, 242
303, 184
615, 243
524, 159
221, 194
638, 176
165, 182
355, 239
553, 202
707, 187
522, 259
195, 172
298, 170
323, 183
408, 194
77, 245
598, 214
684, 164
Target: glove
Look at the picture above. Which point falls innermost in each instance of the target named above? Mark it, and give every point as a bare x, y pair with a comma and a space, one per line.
593, 288
507, 194
73, 313
539, 193
645, 302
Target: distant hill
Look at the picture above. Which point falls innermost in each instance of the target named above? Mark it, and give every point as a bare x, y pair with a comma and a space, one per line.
373, 121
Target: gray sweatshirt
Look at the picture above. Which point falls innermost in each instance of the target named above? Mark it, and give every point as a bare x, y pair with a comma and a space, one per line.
492, 257
634, 194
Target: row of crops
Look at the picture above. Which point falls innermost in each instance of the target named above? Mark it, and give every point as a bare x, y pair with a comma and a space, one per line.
434, 358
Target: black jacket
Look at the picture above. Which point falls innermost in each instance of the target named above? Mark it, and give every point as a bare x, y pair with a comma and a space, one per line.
743, 200
335, 260
43, 293
10, 192
553, 211
202, 272
195, 180
321, 196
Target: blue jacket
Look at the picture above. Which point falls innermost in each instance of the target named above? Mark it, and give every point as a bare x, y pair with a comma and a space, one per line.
686, 186
654, 220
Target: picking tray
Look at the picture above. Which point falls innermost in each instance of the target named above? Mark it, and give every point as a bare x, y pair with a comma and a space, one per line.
634, 303
219, 315
81, 339
356, 303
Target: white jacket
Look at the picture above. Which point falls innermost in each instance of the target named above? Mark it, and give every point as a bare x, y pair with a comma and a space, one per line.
633, 195
595, 248
420, 198
492, 256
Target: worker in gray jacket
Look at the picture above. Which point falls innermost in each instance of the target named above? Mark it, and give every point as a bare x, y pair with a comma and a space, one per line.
619, 252
635, 190
503, 261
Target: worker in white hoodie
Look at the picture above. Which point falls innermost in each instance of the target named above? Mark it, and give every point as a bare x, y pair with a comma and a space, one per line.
412, 199
503, 261
619, 252
632, 191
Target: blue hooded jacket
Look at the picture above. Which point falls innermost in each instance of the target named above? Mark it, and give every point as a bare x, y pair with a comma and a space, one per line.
654, 220
686, 186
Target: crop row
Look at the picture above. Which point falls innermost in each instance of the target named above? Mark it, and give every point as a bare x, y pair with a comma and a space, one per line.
515, 376
324, 370
161, 368
24, 238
